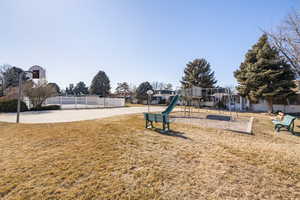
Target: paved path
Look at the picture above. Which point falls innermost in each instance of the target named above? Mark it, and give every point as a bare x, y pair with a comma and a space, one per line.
73, 115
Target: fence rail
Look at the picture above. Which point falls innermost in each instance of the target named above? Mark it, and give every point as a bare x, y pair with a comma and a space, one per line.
71, 102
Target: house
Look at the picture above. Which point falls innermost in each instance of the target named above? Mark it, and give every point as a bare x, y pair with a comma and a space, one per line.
162, 96
231, 100
291, 105
206, 97
288, 105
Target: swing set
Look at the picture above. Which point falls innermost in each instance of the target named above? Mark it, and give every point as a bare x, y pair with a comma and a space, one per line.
221, 99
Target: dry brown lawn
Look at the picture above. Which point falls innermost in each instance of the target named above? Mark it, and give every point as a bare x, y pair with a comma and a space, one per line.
116, 158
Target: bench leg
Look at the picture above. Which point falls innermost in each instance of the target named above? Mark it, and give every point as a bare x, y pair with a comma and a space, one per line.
166, 126
149, 123
291, 128
277, 128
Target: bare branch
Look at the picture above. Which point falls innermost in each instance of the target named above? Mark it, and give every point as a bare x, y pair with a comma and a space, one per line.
286, 39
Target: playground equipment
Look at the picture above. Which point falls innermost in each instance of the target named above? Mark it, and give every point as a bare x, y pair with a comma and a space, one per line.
161, 117
195, 98
220, 112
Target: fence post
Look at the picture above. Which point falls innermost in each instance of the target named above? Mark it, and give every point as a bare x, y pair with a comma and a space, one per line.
75, 101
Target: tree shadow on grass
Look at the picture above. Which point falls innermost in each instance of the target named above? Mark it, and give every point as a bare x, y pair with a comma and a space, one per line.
296, 133
171, 133
39, 112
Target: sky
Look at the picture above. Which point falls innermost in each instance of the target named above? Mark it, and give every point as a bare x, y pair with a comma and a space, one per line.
133, 40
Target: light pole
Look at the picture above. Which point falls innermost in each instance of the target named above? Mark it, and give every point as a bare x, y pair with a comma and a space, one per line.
149, 93
19, 96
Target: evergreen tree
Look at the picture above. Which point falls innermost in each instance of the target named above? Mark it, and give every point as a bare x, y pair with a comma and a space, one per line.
141, 91
81, 89
100, 84
11, 77
1, 90
264, 74
70, 89
198, 73
4, 68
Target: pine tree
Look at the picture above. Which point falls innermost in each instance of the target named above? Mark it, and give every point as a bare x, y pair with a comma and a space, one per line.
81, 89
70, 89
198, 73
141, 91
11, 77
264, 74
100, 84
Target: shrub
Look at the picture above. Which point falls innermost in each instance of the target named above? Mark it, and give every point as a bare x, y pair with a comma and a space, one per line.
11, 106
10, 94
50, 107
39, 92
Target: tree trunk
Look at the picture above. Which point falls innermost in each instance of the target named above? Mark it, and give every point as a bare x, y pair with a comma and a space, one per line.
248, 104
250, 107
270, 104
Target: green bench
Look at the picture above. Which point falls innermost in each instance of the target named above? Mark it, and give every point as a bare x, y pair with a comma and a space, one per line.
287, 122
161, 117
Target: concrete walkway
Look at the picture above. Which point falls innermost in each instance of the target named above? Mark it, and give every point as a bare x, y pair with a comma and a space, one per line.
73, 115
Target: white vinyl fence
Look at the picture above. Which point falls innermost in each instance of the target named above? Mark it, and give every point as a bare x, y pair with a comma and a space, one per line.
69, 102
263, 107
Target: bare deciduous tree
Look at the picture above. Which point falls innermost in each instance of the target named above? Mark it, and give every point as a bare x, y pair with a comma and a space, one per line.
38, 93
132, 90
123, 89
287, 39
161, 86
168, 86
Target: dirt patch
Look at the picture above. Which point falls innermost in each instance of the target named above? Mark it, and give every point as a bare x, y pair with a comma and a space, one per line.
219, 121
